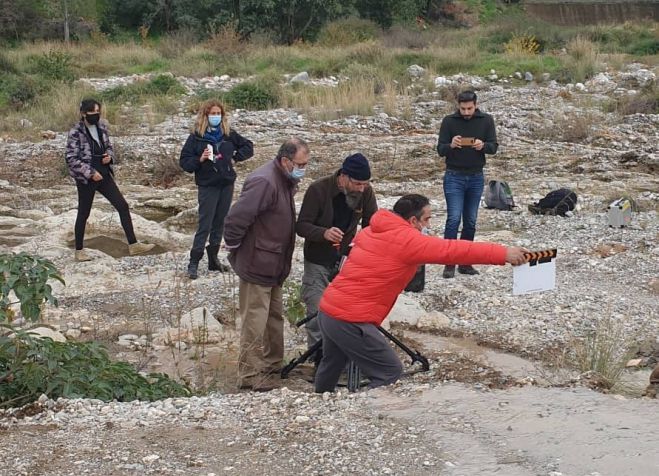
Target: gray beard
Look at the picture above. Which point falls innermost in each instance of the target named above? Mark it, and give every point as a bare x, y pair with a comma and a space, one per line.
353, 200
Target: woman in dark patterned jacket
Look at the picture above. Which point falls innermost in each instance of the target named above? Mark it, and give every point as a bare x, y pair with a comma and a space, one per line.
89, 156
214, 176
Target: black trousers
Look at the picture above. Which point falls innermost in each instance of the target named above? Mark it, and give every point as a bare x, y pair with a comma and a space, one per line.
214, 204
108, 188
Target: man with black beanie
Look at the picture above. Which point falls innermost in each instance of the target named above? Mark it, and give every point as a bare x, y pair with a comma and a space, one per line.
464, 138
332, 208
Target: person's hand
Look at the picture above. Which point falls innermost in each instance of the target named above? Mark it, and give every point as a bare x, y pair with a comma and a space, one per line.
106, 159
478, 144
333, 235
97, 177
515, 255
455, 142
205, 155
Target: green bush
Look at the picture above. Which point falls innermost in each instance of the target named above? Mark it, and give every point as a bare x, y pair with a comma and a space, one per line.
27, 276
16, 90
30, 367
5, 65
254, 95
161, 85
54, 65
646, 46
348, 31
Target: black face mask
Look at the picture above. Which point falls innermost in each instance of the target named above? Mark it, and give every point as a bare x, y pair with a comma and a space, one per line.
92, 118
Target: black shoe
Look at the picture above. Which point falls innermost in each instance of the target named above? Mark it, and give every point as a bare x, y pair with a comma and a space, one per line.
214, 263
193, 268
193, 265
467, 270
449, 272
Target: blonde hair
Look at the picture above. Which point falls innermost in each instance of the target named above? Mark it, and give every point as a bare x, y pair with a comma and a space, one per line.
201, 123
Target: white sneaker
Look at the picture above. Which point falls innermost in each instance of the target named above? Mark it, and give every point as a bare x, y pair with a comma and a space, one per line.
81, 255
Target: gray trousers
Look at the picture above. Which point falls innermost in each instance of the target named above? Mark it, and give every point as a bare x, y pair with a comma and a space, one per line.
214, 203
364, 344
314, 282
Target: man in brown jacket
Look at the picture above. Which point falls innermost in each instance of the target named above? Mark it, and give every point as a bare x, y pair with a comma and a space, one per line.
259, 232
332, 208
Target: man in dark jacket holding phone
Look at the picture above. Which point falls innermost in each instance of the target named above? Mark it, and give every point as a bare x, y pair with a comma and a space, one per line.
464, 138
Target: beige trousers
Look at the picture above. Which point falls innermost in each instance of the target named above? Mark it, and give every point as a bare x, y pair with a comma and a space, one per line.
262, 331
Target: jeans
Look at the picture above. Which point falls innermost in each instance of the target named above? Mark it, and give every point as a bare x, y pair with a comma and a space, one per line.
315, 280
463, 196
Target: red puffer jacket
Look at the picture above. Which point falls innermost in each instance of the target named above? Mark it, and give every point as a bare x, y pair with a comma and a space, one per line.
383, 260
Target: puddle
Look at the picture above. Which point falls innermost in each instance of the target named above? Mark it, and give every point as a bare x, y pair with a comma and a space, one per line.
113, 247
507, 363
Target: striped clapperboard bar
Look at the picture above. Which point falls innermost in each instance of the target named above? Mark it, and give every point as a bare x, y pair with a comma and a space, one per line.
537, 274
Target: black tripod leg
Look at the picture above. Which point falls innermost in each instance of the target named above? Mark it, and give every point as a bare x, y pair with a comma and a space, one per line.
354, 377
301, 359
414, 355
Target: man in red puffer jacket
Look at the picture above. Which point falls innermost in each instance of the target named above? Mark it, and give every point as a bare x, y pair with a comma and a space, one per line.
382, 261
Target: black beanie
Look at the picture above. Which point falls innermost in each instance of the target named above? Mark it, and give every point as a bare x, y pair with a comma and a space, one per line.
356, 166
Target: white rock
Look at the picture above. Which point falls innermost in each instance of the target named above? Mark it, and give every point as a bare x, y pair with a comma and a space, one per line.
415, 71
47, 332
302, 77
528, 76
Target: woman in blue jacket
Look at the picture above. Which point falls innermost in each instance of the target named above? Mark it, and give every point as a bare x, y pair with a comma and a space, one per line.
209, 152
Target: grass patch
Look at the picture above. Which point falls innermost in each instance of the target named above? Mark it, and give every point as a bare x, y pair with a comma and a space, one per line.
138, 92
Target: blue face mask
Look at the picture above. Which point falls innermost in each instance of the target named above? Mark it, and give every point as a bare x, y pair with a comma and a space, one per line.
297, 173
214, 121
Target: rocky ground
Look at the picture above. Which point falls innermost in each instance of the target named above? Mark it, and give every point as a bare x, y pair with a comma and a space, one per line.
451, 420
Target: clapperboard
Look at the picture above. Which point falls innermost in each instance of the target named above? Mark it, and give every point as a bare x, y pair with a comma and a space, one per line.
537, 274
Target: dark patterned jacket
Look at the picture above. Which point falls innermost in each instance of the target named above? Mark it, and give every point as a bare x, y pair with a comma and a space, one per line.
79, 151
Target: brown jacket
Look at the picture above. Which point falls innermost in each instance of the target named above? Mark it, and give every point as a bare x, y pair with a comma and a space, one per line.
317, 214
259, 229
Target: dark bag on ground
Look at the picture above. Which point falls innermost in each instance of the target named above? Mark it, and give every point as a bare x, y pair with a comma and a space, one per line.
498, 195
556, 202
418, 282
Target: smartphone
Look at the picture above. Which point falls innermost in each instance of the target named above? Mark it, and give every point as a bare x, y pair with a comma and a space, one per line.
467, 141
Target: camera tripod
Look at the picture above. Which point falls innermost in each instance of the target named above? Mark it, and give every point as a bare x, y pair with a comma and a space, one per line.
354, 375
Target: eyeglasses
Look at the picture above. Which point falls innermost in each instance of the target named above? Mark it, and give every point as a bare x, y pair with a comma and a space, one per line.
297, 164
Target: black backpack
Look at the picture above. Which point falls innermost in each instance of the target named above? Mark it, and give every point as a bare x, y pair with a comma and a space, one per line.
498, 195
556, 202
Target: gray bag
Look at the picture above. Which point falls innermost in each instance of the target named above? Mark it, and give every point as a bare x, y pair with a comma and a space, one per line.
498, 195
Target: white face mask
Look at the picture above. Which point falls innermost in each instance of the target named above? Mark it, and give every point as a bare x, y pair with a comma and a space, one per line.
425, 230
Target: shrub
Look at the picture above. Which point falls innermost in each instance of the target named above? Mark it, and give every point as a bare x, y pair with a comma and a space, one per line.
16, 90
522, 44
582, 62
30, 367
294, 308
604, 352
161, 85
348, 31
400, 37
6, 66
166, 170
55, 65
254, 95
645, 46
27, 276
645, 101
175, 44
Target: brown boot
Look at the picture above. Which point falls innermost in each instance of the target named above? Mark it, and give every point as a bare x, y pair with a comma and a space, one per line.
139, 248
